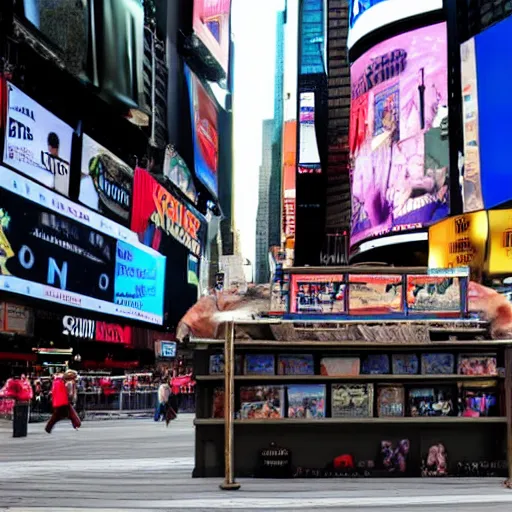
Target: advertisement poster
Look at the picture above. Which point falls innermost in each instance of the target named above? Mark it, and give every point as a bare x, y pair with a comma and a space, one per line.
204, 115
51, 252
37, 143
500, 246
289, 187
320, 294
106, 182
398, 135
211, 25
459, 241
365, 16
308, 147
374, 294
472, 188
431, 294
92, 330
176, 170
15, 318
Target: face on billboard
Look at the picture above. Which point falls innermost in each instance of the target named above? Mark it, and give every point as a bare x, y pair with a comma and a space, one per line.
106, 181
37, 143
365, 16
211, 25
53, 249
398, 134
205, 135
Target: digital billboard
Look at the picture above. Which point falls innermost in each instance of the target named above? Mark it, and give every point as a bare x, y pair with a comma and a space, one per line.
106, 181
205, 136
486, 109
398, 134
365, 16
308, 147
37, 143
211, 25
55, 250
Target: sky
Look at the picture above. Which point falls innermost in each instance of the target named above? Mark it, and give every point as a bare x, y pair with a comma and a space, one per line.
253, 27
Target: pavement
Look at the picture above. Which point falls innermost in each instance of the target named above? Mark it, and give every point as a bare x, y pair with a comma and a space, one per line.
135, 465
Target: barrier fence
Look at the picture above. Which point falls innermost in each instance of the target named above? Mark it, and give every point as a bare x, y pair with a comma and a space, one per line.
91, 404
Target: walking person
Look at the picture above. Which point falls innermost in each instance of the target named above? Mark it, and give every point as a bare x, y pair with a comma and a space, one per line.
164, 392
62, 405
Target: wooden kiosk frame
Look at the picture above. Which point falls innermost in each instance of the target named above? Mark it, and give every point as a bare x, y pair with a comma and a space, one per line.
230, 447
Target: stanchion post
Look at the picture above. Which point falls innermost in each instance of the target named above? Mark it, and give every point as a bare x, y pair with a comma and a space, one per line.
508, 408
229, 483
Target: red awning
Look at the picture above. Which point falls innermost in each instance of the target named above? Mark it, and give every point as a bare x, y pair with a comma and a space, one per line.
17, 356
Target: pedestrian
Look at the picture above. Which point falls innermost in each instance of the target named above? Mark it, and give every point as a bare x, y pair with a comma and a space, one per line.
62, 405
164, 392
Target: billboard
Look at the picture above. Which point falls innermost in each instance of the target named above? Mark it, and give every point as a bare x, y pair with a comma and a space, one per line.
308, 147
398, 134
486, 106
365, 16
106, 181
459, 241
211, 25
37, 143
57, 251
500, 242
165, 223
204, 114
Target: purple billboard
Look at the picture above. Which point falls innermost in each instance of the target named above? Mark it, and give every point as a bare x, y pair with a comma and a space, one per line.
399, 134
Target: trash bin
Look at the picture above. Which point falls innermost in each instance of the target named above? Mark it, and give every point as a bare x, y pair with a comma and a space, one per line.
20, 419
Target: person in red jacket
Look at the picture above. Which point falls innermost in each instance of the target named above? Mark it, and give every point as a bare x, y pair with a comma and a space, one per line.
62, 407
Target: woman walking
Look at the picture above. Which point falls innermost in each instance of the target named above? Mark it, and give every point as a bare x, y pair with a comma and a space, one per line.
62, 401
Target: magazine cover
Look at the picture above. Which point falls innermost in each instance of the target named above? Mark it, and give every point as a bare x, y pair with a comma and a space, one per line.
218, 403
431, 402
405, 364
390, 401
259, 364
261, 402
322, 294
478, 399
297, 364
478, 364
436, 461
431, 294
374, 295
393, 457
217, 364
306, 401
375, 364
352, 400
339, 366
437, 364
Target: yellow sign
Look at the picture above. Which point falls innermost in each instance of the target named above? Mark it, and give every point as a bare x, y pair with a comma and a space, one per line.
500, 247
458, 241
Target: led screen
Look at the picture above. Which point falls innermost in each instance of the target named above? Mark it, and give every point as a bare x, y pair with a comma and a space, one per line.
308, 147
37, 143
56, 250
365, 16
205, 135
106, 181
398, 134
211, 25
487, 109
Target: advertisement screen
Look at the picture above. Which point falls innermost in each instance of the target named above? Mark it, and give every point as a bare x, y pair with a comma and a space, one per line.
204, 115
398, 134
486, 107
458, 242
106, 181
37, 143
211, 25
500, 246
365, 16
308, 147
319, 294
57, 251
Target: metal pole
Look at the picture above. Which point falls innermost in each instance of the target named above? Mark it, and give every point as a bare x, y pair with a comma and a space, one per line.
229, 483
508, 407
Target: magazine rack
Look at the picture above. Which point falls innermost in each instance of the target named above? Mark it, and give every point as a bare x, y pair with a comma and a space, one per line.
230, 447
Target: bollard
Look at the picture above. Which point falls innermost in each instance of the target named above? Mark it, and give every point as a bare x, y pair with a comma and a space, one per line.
20, 419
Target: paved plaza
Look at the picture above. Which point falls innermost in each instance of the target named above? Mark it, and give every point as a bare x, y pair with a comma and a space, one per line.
134, 465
